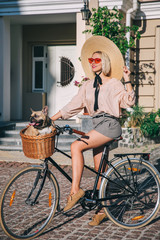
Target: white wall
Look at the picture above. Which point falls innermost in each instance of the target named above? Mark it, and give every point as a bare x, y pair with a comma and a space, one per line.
33, 7
4, 69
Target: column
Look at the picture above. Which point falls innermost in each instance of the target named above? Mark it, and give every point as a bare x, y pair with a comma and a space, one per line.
80, 39
4, 69
16, 72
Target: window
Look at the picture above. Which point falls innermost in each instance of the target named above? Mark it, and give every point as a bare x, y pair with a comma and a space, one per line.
38, 66
67, 71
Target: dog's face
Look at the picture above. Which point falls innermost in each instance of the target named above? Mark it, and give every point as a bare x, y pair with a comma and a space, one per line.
40, 119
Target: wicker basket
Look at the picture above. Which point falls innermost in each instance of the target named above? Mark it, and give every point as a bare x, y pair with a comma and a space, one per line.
38, 147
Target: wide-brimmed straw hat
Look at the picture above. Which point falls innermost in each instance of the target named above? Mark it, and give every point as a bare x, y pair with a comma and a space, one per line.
103, 44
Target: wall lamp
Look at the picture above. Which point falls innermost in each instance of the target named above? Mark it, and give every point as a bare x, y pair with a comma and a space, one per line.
86, 13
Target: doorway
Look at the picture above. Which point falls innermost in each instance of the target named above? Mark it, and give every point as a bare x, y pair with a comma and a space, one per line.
61, 75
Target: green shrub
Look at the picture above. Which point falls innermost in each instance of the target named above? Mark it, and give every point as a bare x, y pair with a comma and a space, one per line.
136, 116
150, 127
149, 123
133, 118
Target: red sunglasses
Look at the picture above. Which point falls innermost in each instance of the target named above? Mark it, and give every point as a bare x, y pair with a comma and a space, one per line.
96, 60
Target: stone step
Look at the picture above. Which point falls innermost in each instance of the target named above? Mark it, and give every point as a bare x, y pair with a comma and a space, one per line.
64, 148
73, 124
16, 134
11, 140
12, 133
10, 148
62, 138
20, 125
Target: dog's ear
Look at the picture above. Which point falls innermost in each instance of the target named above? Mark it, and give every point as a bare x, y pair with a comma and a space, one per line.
31, 110
45, 110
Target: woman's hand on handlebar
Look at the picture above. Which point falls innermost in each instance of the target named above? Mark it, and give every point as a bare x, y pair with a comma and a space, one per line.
61, 130
68, 129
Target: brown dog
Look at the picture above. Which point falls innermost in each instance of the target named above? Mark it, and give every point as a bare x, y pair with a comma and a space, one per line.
40, 123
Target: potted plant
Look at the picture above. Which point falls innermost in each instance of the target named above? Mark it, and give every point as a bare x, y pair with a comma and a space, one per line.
136, 116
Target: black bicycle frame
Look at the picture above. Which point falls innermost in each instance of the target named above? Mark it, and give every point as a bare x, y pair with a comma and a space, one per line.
38, 177
98, 173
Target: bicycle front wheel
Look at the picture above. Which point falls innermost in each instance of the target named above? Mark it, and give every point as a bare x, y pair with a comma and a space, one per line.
23, 215
131, 192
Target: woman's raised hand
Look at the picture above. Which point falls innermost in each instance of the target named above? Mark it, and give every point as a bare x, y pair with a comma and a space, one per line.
126, 73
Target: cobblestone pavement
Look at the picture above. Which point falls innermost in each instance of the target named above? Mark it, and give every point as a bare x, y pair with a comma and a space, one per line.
74, 225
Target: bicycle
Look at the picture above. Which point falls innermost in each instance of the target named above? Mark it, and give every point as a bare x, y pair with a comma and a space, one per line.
129, 193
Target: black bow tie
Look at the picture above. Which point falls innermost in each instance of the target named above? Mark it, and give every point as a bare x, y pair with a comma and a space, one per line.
97, 82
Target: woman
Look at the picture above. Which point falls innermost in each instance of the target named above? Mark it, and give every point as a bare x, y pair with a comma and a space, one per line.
103, 96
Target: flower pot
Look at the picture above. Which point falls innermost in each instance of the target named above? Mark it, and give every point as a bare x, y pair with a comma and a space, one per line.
85, 111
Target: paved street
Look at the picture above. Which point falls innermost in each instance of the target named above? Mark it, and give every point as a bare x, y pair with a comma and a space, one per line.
74, 225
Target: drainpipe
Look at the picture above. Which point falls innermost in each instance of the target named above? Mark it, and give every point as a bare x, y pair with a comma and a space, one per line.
128, 24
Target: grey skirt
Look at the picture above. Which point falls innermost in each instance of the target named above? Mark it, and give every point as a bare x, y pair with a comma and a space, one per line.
107, 125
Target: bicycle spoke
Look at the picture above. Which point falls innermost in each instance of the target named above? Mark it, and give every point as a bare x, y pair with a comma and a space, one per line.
22, 216
138, 208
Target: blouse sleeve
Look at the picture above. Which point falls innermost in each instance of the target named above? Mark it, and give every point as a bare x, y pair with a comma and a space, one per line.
126, 99
75, 105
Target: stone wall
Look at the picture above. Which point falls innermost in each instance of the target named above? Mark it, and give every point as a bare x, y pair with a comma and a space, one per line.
132, 137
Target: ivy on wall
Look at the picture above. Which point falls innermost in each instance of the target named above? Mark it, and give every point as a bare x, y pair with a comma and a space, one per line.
108, 23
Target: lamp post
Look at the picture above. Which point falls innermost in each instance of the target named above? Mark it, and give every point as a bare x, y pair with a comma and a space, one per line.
86, 13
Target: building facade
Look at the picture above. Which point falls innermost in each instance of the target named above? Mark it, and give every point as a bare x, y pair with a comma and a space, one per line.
40, 45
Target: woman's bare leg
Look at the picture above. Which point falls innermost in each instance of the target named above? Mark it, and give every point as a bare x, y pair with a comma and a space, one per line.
93, 139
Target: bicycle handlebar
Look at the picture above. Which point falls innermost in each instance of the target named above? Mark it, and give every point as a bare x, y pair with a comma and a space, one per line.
68, 129
78, 132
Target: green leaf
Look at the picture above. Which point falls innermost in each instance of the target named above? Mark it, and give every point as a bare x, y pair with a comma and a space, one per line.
105, 22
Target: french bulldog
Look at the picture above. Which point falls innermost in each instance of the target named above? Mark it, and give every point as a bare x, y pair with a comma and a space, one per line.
40, 123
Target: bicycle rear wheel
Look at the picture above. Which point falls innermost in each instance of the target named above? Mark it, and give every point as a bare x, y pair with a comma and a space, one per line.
21, 216
133, 193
